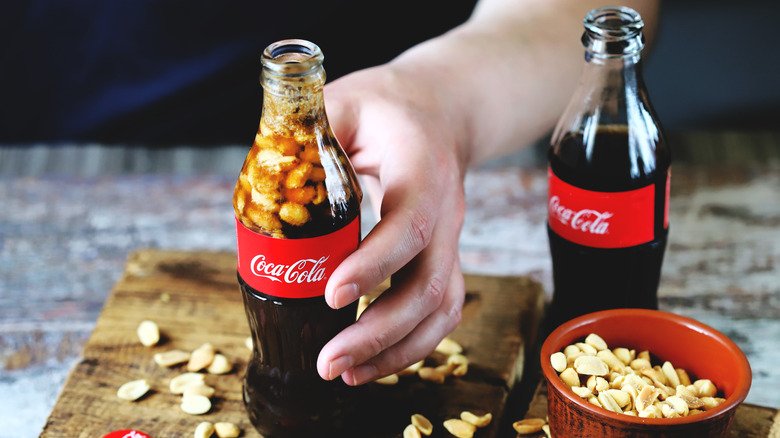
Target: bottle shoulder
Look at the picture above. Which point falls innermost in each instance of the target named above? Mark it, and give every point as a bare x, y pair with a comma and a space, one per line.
611, 159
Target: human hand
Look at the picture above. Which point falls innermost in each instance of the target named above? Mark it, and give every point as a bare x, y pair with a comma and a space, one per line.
399, 137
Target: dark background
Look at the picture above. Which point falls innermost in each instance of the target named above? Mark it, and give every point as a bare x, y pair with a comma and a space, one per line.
173, 72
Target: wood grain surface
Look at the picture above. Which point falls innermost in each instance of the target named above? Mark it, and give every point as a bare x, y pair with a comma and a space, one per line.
194, 298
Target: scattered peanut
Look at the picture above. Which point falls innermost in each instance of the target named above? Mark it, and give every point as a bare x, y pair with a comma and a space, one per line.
182, 381
422, 424
411, 369
171, 358
528, 426
198, 389
204, 430
201, 357
431, 374
133, 390
476, 420
391, 379
411, 432
227, 430
449, 346
460, 428
195, 404
148, 333
446, 369
219, 365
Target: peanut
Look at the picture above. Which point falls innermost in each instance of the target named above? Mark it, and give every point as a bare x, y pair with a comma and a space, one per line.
460, 428
171, 358
671, 374
528, 426
476, 420
201, 357
133, 390
596, 342
391, 379
219, 365
411, 432
558, 361
148, 333
411, 369
624, 354
591, 366
609, 403
570, 377
422, 424
227, 430
195, 404
204, 430
431, 374
180, 382
449, 346
705, 387
198, 389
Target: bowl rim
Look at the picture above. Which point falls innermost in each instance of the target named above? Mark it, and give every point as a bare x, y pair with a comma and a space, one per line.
551, 376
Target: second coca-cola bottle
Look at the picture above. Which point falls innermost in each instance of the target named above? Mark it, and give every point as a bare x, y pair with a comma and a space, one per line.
297, 206
609, 170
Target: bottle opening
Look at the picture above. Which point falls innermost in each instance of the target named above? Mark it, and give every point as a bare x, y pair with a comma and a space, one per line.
614, 22
613, 31
292, 57
291, 53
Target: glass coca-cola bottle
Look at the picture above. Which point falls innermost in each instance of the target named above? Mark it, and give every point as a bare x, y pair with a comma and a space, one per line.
297, 206
609, 176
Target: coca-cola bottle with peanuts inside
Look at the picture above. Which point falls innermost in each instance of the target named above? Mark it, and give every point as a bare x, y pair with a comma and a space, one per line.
297, 207
608, 174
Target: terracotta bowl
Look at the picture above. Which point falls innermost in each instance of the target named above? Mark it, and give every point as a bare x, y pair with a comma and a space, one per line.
702, 351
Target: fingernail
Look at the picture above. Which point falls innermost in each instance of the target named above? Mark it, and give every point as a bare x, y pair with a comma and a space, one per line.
339, 365
363, 374
345, 294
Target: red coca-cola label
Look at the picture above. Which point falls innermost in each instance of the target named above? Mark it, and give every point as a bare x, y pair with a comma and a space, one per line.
293, 268
126, 433
600, 219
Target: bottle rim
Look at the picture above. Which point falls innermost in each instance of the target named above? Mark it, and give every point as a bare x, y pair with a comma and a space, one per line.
613, 31
292, 57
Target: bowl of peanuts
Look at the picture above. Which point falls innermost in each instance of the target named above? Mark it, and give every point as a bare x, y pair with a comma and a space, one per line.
642, 373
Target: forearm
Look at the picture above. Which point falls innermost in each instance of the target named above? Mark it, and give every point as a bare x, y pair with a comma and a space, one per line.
502, 79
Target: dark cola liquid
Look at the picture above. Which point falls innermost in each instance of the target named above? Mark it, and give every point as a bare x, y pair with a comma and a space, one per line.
283, 394
589, 279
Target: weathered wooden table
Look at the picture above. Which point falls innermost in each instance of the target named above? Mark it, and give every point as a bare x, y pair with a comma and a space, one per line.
70, 217
202, 304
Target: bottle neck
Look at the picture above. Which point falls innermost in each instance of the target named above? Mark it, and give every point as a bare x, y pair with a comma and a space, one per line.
292, 102
293, 79
612, 74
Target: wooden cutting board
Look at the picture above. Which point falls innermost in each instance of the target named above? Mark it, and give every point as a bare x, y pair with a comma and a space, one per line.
194, 298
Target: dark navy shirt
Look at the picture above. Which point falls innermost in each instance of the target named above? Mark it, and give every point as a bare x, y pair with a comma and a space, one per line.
176, 72
179, 72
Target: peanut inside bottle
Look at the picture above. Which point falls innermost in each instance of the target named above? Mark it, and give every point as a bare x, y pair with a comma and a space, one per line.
296, 181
